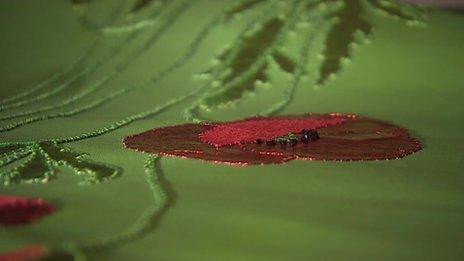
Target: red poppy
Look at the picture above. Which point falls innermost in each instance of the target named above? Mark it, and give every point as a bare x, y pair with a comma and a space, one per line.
21, 210
260, 140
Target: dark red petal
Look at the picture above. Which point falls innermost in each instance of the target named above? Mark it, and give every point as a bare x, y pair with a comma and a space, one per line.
249, 130
21, 210
29, 253
183, 141
360, 139
357, 138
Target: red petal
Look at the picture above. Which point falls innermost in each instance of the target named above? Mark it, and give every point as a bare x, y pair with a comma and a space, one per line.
21, 210
183, 141
357, 138
248, 131
360, 139
29, 253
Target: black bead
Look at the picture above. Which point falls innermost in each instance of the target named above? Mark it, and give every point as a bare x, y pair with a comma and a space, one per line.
313, 135
304, 140
259, 141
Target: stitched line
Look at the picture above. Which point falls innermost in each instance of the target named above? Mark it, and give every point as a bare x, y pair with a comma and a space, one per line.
172, 17
144, 224
301, 68
70, 113
118, 69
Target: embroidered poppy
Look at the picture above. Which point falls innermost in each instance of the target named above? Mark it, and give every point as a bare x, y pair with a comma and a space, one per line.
267, 140
22, 210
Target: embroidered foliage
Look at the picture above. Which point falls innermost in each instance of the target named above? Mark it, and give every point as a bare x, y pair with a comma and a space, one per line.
45, 157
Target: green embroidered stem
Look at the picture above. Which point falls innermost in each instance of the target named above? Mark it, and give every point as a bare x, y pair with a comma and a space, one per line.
65, 103
51, 79
130, 119
70, 113
300, 69
261, 59
145, 223
191, 50
118, 69
118, 12
68, 69
190, 113
135, 26
15, 101
14, 155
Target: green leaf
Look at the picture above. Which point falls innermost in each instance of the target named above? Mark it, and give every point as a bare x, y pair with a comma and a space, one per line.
92, 172
140, 4
242, 7
284, 62
47, 156
6, 148
402, 11
36, 168
237, 91
337, 45
245, 68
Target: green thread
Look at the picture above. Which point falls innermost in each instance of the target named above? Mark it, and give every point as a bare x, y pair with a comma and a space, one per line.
144, 224
190, 113
45, 157
70, 113
51, 79
300, 70
171, 18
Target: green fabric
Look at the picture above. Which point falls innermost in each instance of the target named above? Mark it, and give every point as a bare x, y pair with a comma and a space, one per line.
408, 209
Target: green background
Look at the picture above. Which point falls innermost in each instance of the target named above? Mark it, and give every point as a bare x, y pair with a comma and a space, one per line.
408, 209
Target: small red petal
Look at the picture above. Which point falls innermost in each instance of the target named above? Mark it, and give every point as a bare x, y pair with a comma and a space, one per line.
29, 253
182, 141
361, 139
21, 210
248, 131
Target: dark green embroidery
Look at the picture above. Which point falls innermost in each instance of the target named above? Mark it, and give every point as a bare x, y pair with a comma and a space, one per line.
145, 223
140, 4
249, 65
44, 159
241, 7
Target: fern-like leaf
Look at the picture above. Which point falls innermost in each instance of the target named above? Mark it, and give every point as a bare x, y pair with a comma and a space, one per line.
284, 62
46, 157
35, 169
239, 79
140, 4
337, 45
240, 8
7, 148
92, 172
406, 12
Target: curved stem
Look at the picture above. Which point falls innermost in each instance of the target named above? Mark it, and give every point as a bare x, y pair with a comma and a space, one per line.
97, 85
15, 101
147, 220
300, 70
70, 113
5, 102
